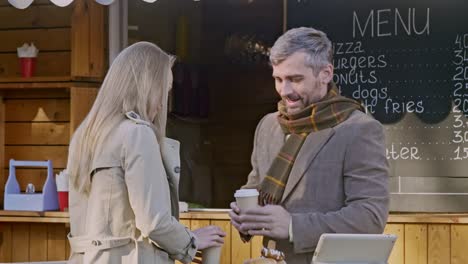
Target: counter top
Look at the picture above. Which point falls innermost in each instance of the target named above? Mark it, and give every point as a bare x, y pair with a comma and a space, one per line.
50, 82
221, 214
34, 217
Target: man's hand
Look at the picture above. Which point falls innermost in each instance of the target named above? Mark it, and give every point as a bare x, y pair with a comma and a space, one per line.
270, 220
235, 217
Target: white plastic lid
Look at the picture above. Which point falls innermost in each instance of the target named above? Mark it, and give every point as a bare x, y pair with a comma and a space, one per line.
246, 193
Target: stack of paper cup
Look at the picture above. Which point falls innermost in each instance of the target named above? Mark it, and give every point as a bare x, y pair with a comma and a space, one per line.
62, 188
246, 198
27, 55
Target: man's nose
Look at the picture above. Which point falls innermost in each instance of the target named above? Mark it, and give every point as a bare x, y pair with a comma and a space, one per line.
286, 88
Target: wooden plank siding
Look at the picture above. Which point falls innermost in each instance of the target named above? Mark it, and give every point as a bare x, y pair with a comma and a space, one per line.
58, 154
2, 150
47, 64
36, 16
88, 40
458, 244
29, 133
36, 121
439, 244
11, 39
36, 127
81, 101
427, 243
23, 242
37, 110
417, 243
38, 24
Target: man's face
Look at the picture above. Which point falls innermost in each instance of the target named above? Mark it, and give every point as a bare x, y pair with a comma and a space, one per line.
296, 83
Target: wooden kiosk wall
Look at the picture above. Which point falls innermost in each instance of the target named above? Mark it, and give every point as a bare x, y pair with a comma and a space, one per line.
422, 239
38, 115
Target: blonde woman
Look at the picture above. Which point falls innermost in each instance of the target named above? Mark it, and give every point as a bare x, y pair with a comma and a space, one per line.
123, 194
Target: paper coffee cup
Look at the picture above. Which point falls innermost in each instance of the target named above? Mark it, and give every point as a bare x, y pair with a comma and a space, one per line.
211, 255
246, 198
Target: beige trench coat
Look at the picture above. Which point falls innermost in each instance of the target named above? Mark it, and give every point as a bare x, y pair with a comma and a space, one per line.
127, 216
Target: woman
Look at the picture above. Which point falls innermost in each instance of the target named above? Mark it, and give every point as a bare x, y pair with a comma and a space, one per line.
123, 197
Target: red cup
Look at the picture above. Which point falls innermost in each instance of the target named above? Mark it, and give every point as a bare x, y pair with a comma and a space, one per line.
63, 201
28, 66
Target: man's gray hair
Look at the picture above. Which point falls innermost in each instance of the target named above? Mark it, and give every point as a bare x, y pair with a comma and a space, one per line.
314, 43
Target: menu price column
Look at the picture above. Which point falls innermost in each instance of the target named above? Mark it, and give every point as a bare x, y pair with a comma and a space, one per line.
460, 98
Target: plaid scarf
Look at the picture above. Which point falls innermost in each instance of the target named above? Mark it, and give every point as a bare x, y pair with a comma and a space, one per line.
328, 112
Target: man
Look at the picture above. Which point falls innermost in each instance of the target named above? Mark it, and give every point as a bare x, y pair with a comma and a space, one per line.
319, 162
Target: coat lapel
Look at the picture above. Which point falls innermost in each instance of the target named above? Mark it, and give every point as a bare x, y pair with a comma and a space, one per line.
171, 160
306, 155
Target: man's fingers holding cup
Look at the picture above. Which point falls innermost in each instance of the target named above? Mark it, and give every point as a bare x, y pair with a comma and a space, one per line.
235, 208
246, 228
260, 232
234, 216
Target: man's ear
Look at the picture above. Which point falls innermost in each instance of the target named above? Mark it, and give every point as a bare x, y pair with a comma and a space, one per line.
326, 74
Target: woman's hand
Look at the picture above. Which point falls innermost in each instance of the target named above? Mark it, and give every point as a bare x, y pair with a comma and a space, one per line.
209, 236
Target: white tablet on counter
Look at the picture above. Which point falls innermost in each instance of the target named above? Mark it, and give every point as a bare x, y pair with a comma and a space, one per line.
354, 249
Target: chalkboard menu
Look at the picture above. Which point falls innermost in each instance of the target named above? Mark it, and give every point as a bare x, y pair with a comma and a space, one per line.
407, 61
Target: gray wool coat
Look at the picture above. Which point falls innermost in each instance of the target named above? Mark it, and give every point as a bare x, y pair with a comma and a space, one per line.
338, 184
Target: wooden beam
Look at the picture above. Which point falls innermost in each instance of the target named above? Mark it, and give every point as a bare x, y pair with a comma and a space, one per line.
458, 242
57, 238
398, 253
42, 86
87, 39
20, 242
439, 244
5, 245
416, 243
82, 100
2, 148
36, 79
37, 242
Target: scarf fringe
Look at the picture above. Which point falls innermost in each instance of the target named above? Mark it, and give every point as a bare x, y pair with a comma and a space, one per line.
267, 198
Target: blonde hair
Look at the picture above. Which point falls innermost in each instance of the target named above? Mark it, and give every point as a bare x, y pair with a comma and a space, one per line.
138, 80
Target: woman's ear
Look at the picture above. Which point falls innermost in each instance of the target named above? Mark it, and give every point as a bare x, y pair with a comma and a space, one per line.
326, 74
